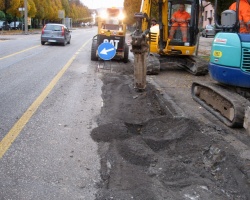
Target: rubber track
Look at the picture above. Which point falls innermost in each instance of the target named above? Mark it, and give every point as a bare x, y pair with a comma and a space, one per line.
196, 66
239, 103
192, 64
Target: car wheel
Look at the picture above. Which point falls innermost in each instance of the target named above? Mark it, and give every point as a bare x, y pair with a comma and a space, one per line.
42, 43
65, 42
69, 41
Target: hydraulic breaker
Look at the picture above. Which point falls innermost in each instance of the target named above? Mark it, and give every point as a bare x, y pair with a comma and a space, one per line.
140, 49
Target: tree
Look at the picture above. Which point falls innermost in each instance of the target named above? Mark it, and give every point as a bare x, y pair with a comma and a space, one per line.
31, 8
13, 8
2, 15
65, 5
2, 4
79, 12
131, 7
41, 8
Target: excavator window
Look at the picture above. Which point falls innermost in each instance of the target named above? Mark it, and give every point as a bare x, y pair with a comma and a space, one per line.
178, 33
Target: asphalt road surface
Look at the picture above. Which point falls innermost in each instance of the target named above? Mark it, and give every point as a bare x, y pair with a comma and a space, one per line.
49, 98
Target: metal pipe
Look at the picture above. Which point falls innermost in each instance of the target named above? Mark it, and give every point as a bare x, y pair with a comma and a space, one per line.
160, 4
25, 17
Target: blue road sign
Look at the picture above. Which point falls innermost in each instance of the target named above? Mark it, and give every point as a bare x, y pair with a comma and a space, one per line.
106, 51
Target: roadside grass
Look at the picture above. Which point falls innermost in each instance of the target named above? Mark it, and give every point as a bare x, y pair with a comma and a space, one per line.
19, 32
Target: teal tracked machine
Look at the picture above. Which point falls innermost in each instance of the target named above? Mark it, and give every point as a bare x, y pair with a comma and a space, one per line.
227, 97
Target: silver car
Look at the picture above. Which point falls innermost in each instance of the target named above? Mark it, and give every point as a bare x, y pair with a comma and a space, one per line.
4, 25
16, 25
208, 31
55, 33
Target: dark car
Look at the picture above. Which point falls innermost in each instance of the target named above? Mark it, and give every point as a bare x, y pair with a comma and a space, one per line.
55, 33
16, 25
4, 25
209, 30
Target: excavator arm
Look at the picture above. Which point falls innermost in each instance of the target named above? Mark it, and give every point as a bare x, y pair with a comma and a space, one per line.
140, 42
140, 47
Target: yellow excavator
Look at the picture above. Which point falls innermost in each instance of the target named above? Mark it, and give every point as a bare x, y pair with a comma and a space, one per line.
156, 40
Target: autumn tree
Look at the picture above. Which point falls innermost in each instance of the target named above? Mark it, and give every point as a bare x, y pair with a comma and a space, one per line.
13, 7
131, 7
79, 12
65, 5
54, 7
31, 8
2, 4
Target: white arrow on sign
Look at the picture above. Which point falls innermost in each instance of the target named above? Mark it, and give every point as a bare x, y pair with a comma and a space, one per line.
105, 51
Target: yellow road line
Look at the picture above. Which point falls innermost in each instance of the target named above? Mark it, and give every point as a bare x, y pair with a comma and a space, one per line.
20, 52
19, 125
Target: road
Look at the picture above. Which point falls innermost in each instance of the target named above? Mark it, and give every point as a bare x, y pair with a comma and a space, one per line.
73, 129
49, 98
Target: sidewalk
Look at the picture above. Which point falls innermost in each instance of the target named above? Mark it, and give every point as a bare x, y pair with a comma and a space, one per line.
205, 46
19, 32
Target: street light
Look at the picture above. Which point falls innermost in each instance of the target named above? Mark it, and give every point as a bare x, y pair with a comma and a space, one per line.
25, 17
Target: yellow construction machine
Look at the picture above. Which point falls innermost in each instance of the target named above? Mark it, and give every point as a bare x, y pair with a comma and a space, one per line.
112, 29
152, 47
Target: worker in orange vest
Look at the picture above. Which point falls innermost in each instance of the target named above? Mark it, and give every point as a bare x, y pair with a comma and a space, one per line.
180, 19
153, 22
244, 15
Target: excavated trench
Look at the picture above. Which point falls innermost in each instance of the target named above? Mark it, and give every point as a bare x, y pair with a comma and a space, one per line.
147, 153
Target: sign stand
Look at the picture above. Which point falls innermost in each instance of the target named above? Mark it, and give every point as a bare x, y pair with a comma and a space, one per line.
106, 51
104, 65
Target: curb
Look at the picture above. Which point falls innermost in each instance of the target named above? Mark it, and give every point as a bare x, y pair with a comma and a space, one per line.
166, 102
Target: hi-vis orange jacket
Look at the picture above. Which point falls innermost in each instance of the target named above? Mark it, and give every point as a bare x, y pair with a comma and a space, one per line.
244, 15
180, 17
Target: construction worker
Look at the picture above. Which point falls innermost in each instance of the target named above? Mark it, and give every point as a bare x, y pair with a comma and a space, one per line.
244, 15
180, 19
153, 22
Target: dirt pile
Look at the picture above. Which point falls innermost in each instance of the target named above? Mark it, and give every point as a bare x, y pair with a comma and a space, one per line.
146, 153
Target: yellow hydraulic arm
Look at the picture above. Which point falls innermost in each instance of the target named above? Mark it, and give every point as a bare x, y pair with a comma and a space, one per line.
140, 46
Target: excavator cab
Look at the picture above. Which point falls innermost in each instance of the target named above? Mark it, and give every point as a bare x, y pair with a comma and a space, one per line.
166, 50
193, 8
159, 40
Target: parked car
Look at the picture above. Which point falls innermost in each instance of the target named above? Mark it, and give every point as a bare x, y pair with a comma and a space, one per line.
4, 25
55, 33
209, 30
16, 25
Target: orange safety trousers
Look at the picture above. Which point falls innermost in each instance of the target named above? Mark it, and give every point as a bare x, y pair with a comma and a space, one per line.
183, 27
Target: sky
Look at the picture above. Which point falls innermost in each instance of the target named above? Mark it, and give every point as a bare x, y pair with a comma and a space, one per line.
92, 4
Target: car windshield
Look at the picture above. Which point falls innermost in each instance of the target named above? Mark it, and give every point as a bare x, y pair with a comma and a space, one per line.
53, 27
210, 26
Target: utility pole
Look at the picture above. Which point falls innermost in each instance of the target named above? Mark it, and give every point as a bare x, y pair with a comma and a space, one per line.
25, 17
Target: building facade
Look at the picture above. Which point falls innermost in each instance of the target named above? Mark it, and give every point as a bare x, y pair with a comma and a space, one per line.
207, 14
